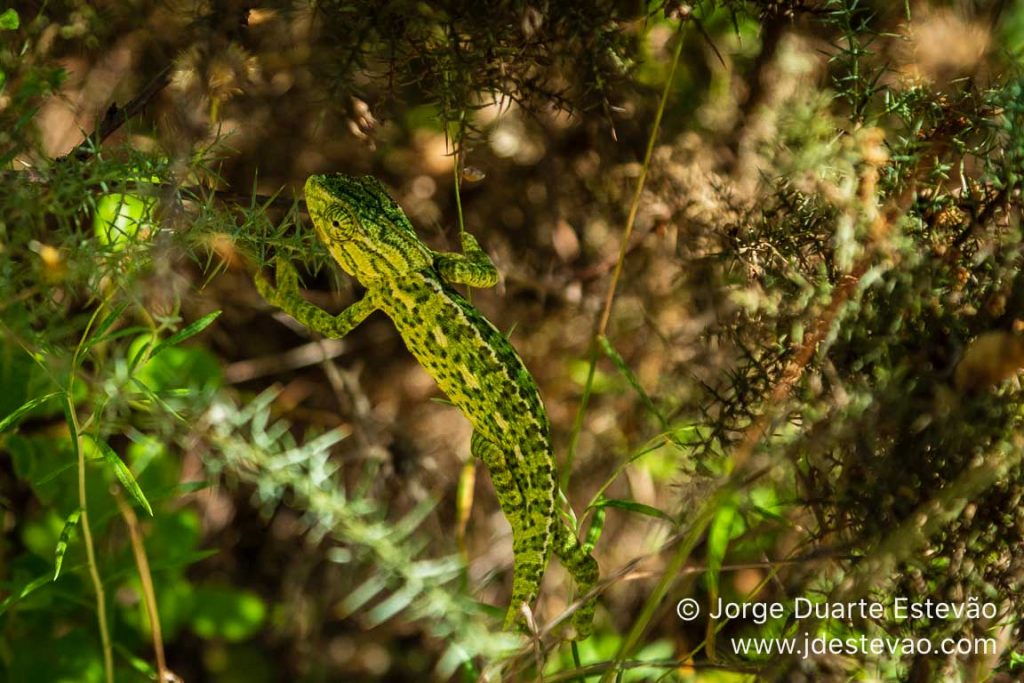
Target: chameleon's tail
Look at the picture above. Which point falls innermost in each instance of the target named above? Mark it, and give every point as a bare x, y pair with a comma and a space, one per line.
584, 571
536, 530
531, 536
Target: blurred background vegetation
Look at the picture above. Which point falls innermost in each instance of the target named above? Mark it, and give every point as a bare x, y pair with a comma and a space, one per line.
800, 383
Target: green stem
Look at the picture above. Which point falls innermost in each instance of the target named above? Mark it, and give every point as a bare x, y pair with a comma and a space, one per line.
456, 165
627, 232
576, 659
90, 551
146, 579
672, 571
577, 423
457, 178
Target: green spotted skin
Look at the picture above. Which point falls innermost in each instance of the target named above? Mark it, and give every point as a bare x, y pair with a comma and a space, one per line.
474, 364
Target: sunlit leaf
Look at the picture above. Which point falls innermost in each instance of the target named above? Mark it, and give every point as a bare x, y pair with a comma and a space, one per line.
25, 408
62, 544
24, 592
195, 328
9, 20
366, 591
634, 506
720, 532
137, 663
394, 604
123, 474
623, 368
101, 329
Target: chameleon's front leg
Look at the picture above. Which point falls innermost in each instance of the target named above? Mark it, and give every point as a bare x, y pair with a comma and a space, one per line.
473, 267
288, 298
529, 542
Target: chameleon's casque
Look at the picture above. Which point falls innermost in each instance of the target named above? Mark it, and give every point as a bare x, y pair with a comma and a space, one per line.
371, 238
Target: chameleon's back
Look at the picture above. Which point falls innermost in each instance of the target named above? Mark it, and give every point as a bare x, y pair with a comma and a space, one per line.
472, 362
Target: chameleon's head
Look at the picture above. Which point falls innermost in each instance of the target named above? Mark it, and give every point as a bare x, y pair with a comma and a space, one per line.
364, 229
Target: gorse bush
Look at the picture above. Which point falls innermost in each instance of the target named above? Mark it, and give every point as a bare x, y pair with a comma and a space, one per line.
763, 260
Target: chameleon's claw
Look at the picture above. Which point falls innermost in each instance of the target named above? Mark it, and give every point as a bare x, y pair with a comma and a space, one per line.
520, 620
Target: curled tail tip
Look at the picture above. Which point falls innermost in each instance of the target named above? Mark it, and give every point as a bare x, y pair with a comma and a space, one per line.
516, 619
510, 621
583, 618
583, 621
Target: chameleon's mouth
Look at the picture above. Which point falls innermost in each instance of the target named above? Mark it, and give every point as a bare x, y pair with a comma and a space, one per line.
331, 229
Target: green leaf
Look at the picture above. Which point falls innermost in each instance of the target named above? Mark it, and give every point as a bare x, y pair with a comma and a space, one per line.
771, 516
190, 331
9, 20
137, 663
47, 478
185, 560
24, 409
152, 396
62, 544
117, 334
123, 474
601, 383
633, 506
189, 369
365, 592
120, 218
28, 588
102, 328
594, 532
393, 604
620, 363
720, 533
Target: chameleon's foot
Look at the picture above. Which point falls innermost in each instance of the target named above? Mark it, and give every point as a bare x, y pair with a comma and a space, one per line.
472, 267
287, 286
286, 275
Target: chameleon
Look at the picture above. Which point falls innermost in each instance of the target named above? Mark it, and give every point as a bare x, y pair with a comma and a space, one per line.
370, 237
